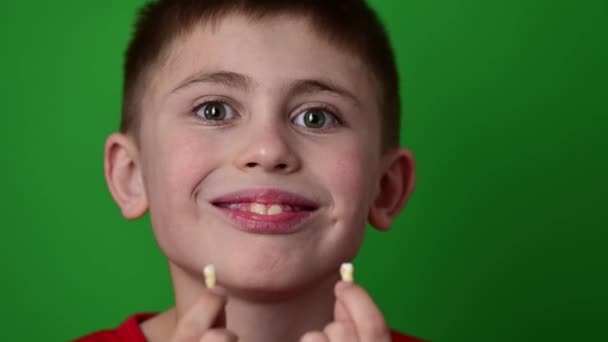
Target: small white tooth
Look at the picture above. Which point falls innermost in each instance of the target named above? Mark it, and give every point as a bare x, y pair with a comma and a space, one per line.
234, 206
346, 271
274, 210
258, 208
209, 272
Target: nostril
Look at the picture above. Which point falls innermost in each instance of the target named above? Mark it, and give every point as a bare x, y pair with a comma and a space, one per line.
278, 167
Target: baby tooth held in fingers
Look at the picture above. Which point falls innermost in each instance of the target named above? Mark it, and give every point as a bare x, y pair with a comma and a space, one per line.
346, 271
274, 210
258, 209
209, 272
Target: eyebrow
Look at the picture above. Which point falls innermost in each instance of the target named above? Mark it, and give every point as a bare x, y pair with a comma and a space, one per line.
322, 86
225, 78
231, 79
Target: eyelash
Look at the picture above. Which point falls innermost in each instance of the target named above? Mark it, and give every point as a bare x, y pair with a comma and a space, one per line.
324, 108
218, 101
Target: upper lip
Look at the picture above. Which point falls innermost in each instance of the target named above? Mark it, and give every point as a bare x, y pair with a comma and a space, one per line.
266, 196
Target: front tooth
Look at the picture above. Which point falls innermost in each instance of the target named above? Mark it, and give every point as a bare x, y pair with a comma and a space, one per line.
274, 210
258, 208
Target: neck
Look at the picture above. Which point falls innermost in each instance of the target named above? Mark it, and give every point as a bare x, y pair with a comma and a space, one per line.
285, 320
252, 319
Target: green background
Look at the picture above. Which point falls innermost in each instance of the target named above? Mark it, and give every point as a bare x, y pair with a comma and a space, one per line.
504, 238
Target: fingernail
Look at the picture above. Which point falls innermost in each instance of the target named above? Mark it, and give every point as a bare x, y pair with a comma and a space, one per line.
341, 285
218, 290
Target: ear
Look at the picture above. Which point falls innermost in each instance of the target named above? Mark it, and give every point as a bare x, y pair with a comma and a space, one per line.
123, 175
396, 185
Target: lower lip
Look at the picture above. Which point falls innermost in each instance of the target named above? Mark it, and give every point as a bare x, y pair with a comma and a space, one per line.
283, 223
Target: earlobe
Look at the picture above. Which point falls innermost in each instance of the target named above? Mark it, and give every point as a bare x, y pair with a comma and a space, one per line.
123, 175
396, 186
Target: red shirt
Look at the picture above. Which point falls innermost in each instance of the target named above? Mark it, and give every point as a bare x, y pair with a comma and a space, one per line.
129, 331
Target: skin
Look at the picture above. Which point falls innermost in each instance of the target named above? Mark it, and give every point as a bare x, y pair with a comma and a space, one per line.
271, 287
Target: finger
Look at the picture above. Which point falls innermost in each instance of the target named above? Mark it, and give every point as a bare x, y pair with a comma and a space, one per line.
219, 335
314, 336
341, 331
205, 313
366, 317
340, 313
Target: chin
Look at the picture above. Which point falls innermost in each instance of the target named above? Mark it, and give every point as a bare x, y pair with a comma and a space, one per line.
268, 284
268, 289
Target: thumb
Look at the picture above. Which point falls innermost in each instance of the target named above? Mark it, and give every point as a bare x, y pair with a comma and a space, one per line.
206, 313
340, 312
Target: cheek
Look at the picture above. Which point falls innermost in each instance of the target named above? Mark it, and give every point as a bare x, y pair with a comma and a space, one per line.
351, 174
346, 176
176, 164
185, 163
350, 182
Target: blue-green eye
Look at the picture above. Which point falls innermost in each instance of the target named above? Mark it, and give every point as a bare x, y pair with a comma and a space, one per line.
215, 111
316, 118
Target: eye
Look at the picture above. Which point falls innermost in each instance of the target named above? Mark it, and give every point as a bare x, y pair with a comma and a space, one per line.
316, 118
214, 111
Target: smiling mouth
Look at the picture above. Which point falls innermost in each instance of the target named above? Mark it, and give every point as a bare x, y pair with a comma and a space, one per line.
263, 209
266, 211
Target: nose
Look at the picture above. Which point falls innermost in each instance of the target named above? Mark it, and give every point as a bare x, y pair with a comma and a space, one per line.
268, 150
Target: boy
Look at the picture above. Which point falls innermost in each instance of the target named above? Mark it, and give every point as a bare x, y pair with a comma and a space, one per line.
261, 135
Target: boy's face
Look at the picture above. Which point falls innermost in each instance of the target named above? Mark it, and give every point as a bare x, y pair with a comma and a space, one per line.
285, 111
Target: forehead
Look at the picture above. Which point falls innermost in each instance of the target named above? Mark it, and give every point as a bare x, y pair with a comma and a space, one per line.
273, 52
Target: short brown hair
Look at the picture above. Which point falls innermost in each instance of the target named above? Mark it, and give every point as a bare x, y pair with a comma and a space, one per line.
351, 24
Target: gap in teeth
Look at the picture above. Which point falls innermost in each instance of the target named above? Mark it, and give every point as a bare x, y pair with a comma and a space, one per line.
260, 209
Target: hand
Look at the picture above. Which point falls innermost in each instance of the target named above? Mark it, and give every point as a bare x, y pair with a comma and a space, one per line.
356, 319
206, 320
